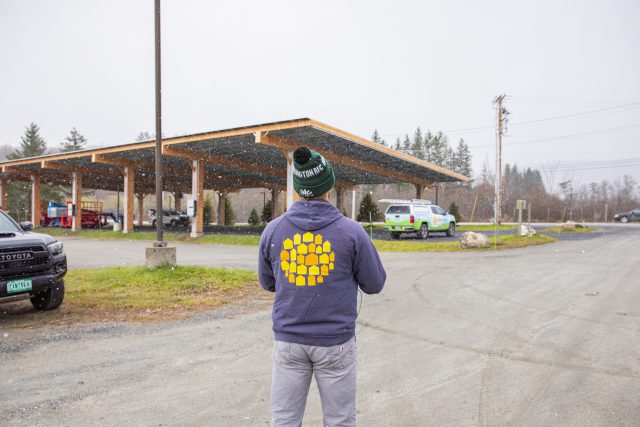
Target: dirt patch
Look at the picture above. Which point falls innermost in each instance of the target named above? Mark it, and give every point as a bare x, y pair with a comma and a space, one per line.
21, 314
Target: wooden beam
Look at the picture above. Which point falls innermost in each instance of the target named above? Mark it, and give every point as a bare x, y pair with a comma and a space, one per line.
340, 159
18, 173
221, 160
113, 161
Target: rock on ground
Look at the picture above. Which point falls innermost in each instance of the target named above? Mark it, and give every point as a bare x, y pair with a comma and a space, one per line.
469, 240
571, 226
527, 230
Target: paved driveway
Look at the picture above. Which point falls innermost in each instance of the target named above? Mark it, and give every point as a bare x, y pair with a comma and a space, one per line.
547, 335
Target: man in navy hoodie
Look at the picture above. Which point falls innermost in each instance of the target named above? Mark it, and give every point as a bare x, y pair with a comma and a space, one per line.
315, 260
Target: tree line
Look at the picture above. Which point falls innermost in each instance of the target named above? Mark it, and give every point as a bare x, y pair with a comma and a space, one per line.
550, 200
32, 144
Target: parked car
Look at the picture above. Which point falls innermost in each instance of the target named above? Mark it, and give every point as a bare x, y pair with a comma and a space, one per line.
170, 217
32, 265
417, 216
633, 215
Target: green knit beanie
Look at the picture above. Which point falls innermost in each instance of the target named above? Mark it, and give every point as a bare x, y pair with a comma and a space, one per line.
312, 174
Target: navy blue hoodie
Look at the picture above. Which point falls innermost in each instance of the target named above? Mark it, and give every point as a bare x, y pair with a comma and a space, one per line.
315, 259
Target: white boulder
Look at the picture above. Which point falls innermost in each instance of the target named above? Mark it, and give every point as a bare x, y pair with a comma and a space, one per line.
527, 230
469, 240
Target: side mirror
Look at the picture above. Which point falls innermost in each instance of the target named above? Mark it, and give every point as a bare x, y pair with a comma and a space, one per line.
26, 226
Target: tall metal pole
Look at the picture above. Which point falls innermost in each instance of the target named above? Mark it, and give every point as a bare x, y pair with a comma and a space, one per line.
498, 179
159, 210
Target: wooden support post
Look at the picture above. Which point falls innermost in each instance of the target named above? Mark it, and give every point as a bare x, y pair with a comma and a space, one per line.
353, 204
4, 188
275, 208
140, 208
197, 191
76, 199
35, 200
419, 190
340, 199
129, 184
178, 200
289, 156
222, 195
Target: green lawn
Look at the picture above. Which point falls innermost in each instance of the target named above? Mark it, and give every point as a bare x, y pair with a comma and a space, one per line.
485, 227
504, 242
138, 293
219, 239
559, 229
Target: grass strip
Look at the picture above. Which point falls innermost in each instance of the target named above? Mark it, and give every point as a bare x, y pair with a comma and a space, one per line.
217, 239
575, 230
504, 242
139, 294
141, 287
485, 227
511, 241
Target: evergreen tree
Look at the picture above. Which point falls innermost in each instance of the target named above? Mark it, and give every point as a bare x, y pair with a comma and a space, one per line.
19, 192
417, 145
74, 142
31, 144
462, 159
229, 213
455, 211
145, 136
266, 212
377, 139
254, 219
398, 146
368, 207
406, 144
207, 211
438, 149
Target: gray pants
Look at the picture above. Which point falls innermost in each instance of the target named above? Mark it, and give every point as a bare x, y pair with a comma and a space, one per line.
335, 371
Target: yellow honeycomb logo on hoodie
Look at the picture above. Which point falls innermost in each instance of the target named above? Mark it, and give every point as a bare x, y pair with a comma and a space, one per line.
306, 259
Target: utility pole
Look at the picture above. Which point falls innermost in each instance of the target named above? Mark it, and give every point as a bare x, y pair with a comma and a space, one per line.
158, 147
501, 126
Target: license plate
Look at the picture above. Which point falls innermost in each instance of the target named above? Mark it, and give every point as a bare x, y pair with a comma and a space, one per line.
397, 228
21, 285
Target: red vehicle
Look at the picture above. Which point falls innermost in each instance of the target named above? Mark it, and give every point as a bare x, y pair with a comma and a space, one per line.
92, 217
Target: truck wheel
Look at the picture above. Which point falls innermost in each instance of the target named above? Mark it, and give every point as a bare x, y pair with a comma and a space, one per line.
395, 235
451, 231
423, 233
49, 299
624, 219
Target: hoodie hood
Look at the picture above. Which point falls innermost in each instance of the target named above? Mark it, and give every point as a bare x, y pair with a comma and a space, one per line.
312, 215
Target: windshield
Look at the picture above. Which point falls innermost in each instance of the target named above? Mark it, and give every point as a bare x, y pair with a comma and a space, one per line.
8, 225
398, 210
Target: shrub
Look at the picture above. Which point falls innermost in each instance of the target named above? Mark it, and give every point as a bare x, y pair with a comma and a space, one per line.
266, 212
454, 210
368, 206
229, 214
254, 219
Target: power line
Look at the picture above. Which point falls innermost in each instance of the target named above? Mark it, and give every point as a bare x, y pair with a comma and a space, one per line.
573, 135
579, 115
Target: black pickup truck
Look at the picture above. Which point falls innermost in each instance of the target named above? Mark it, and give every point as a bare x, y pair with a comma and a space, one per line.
32, 265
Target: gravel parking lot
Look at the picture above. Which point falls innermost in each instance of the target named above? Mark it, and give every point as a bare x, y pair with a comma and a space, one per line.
546, 335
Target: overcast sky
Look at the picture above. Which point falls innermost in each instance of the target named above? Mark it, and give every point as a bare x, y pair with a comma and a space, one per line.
356, 65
